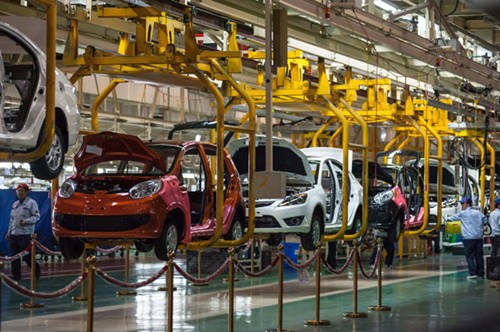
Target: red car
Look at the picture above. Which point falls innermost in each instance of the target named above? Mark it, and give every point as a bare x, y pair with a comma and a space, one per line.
155, 194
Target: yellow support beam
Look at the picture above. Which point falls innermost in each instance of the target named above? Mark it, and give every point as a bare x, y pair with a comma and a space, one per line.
482, 180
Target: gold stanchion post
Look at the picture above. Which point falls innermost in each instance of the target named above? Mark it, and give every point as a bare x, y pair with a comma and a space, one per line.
230, 321
170, 287
90, 304
83, 296
32, 304
280, 292
379, 306
355, 313
317, 321
127, 269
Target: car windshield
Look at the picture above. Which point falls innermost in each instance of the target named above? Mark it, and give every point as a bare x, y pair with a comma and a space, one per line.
167, 152
314, 165
120, 167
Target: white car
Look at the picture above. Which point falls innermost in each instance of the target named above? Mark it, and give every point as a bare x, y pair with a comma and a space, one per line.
326, 165
22, 103
303, 209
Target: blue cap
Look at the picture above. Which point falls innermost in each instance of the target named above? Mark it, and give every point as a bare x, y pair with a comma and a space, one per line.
497, 201
466, 199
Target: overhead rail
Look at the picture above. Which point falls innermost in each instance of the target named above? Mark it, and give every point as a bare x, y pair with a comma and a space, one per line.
376, 29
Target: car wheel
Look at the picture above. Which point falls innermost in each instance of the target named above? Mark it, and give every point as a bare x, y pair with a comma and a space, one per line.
356, 226
71, 248
397, 229
50, 165
168, 242
236, 229
144, 246
310, 240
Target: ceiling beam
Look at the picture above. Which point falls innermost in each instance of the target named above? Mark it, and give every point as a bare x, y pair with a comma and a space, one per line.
401, 40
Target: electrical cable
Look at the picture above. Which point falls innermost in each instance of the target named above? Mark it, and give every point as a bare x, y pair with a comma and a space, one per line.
453, 10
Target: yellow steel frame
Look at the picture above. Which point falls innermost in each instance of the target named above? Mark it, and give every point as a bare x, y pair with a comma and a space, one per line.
145, 55
364, 147
482, 180
491, 150
423, 133
345, 160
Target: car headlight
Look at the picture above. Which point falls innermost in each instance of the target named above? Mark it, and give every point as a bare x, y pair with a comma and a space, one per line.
383, 197
67, 189
145, 189
295, 199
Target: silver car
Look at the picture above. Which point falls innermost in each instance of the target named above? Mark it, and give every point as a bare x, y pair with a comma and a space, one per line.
22, 103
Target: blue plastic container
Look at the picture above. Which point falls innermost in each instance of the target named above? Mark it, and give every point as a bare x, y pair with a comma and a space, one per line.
291, 250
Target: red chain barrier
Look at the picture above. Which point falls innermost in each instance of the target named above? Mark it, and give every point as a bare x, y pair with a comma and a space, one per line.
342, 268
18, 255
108, 251
247, 247
374, 269
303, 265
33, 294
119, 283
257, 274
202, 280
47, 250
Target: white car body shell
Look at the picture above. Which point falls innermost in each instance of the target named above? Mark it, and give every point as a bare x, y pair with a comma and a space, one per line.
65, 99
272, 208
329, 160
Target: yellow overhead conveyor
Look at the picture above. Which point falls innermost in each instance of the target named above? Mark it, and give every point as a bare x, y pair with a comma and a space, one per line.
160, 62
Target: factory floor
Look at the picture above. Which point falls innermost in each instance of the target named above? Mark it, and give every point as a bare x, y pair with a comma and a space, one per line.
424, 294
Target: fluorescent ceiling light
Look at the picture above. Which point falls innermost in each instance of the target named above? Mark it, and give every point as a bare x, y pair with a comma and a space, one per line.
385, 6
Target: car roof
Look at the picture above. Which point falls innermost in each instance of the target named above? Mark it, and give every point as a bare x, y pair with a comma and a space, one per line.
329, 152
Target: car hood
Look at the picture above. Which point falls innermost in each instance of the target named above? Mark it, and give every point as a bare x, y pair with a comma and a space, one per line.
287, 158
113, 146
374, 170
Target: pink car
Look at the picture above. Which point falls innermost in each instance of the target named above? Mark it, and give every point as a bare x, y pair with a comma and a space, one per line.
155, 194
395, 199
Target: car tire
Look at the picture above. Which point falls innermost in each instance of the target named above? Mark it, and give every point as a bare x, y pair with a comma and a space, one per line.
71, 248
144, 246
168, 242
396, 229
48, 166
310, 240
236, 230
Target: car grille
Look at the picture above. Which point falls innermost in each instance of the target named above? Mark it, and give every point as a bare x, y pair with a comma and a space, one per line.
266, 222
101, 223
263, 203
